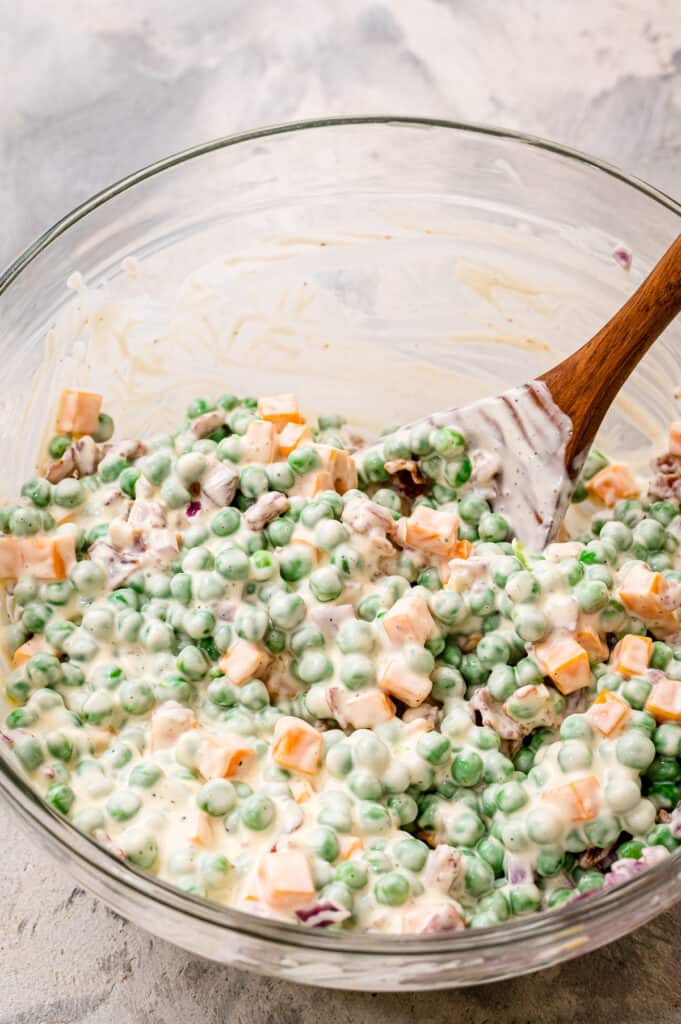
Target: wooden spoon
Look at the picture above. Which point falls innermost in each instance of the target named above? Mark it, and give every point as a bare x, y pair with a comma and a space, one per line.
541, 432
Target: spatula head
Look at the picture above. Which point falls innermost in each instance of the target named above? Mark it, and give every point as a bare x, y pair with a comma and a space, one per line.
518, 443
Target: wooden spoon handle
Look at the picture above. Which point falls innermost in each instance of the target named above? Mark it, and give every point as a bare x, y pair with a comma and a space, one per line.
585, 384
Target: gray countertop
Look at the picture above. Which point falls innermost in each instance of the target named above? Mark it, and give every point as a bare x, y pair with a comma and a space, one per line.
93, 91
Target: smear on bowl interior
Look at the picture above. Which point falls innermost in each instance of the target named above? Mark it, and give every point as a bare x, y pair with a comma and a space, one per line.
338, 692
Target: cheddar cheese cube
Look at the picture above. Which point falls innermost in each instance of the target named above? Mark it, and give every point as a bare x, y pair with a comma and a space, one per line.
565, 662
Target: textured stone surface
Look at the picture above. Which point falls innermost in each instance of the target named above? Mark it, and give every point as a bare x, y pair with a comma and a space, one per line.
92, 92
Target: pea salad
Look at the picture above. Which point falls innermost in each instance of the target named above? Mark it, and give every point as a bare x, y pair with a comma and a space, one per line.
334, 690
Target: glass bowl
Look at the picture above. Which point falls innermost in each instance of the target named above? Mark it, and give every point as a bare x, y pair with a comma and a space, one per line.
381, 267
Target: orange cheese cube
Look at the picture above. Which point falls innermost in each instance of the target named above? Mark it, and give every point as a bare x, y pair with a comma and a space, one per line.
612, 484
45, 558
78, 412
578, 800
591, 640
340, 464
349, 846
409, 621
631, 655
280, 410
664, 701
608, 712
168, 722
201, 828
314, 483
243, 661
36, 645
565, 662
285, 880
432, 530
642, 590
675, 437
296, 745
368, 709
463, 549
291, 436
220, 757
401, 682
301, 789
259, 441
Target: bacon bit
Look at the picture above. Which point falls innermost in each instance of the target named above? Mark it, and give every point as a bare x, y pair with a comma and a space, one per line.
193, 508
396, 466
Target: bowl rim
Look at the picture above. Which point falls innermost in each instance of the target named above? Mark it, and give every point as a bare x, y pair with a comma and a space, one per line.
558, 925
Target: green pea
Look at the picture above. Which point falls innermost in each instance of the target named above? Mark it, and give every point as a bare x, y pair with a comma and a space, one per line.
68, 493
174, 493
636, 691
492, 852
39, 491
257, 812
530, 622
139, 847
123, 805
352, 873
303, 460
635, 750
29, 752
217, 797
136, 697
467, 767
314, 667
448, 606
58, 445
574, 755
481, 601
144, 775
61, 797
365, 785
667, 739
603, 830
357, 670
511, 796
326, 584
650, 534
295, 563
493, 527
472, 670
433, 747
404, 808
105, 428
392, 889
43, 670
127, 481
287, 610
324, 842
156, 467
233, 564
347, 560
524, 899
496, 767
479, 876
24, 521
355, 636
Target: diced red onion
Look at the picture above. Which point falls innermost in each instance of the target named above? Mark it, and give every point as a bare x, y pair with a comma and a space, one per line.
193, 508
623, 256
321, 915
518, 872
329, 619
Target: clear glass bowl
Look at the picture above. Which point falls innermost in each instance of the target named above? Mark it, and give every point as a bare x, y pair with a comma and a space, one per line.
384, 268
